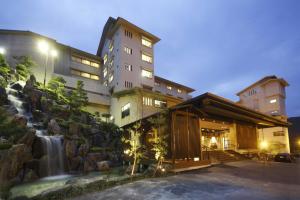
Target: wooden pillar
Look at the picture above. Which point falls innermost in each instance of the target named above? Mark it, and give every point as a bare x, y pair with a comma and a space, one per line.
200, 133
188, 134
173, 141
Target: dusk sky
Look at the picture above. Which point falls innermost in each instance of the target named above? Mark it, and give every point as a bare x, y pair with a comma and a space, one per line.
218, 46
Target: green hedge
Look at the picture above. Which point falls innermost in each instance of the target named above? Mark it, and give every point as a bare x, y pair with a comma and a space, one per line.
5, 146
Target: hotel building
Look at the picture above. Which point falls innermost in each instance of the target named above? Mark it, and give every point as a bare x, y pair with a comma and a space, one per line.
119, 78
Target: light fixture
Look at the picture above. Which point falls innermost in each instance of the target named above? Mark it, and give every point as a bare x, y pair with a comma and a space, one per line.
54, 53
2, 50
264, 145
43, 46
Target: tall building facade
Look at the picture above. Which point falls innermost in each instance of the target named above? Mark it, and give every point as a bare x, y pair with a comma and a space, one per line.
268, 96
119, 78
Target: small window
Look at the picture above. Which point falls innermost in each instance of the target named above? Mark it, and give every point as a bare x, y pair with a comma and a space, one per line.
146, 73
273, 100
76, 59
94, 77
128, 33
110, 78
169, 87
86, 75
128, 84
278, 133
179, 90
147, 101
146, 42
125, 110
128, 50
105, 59
111, 46
86, 62
105, 83
104, 72
128, 67
93, 64
156, 83
147, 58
160, 104
111, 62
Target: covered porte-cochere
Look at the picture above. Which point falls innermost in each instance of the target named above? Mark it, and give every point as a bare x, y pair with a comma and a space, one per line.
211, 123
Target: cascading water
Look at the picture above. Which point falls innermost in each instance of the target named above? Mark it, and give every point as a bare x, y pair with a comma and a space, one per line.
52, 144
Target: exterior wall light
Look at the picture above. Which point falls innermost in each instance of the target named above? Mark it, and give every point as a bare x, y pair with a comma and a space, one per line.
2, 50
264, 145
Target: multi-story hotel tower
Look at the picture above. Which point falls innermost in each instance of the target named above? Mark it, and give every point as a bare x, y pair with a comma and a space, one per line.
268, 96
119, 78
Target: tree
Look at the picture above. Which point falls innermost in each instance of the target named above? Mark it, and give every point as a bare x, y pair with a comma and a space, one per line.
78, 98
136, 149
23, 67
4, 72
160, 143
56, 86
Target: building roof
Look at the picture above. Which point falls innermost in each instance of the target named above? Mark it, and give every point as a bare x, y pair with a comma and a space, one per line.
223, 107
113, 24
210, 105
160, 79
30, 33
263, 81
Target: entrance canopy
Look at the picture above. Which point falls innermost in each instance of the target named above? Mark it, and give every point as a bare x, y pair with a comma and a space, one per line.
210, 105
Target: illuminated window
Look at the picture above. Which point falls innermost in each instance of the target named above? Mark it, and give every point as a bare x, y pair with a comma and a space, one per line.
146, 42
86, 62
105, 83
111, 62
146, 73
84, 74
179, 90
128, 67
128, 33
147, 101
93, 64
111, 46
273, 100
146, 58
94, 77
110, 78
104, 72
128, 50
125, 110
169, 87
105, 59
160, 104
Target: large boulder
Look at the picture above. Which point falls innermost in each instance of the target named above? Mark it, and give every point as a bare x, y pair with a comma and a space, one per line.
30, 175
12, 163
3, 96
74, 129
75, 164
83, 150
16, 86
53, 127
38, 149
20, 120
103, 166
70, 148
28, 138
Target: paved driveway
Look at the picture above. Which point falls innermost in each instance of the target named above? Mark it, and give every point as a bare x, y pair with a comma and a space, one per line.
237, 180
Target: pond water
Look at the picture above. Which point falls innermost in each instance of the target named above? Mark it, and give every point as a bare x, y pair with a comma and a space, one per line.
41, 185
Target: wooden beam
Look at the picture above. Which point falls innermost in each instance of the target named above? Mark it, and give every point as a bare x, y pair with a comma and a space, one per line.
173, 118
